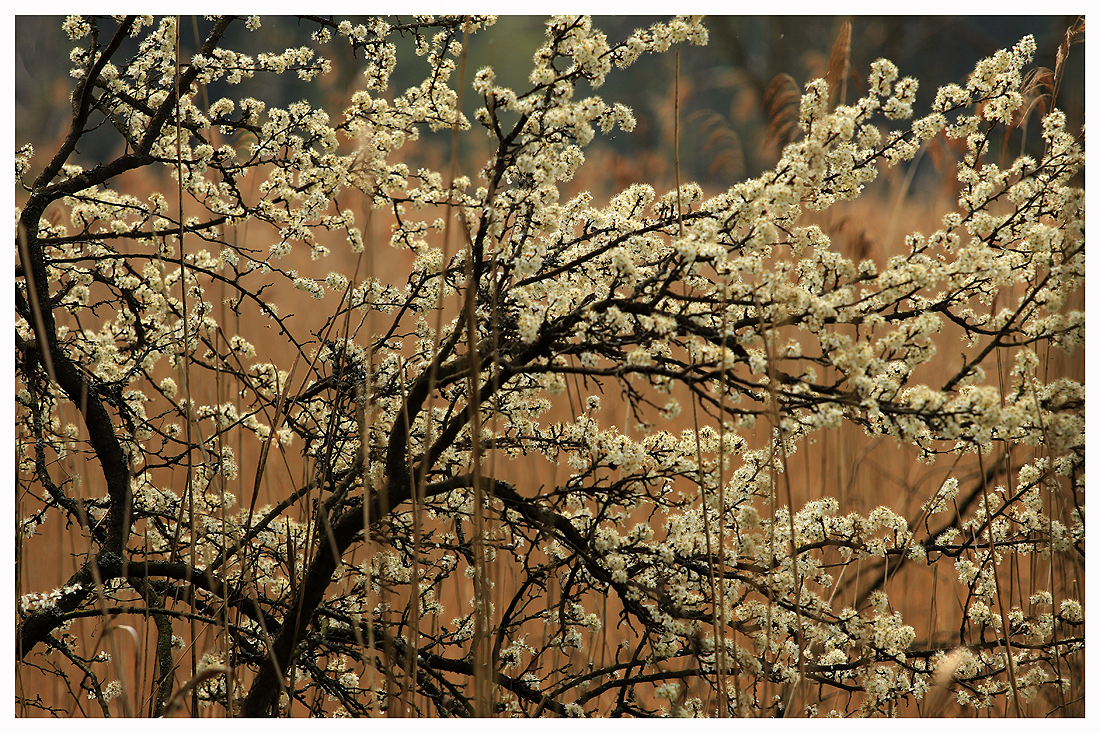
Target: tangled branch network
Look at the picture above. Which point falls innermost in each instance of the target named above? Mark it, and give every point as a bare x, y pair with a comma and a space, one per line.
325, 513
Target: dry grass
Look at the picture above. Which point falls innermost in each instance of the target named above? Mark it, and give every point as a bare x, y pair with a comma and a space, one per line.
862, 472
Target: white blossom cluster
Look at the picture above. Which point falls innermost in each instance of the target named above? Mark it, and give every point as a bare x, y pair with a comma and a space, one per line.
732, 308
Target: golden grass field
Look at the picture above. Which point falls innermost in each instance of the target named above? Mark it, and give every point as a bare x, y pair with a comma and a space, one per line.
861, 472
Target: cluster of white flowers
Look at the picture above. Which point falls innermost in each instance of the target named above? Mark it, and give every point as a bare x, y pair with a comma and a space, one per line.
732, 300
109, 691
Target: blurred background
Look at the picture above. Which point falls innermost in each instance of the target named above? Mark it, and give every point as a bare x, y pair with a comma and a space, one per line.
725, 107
731, 128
